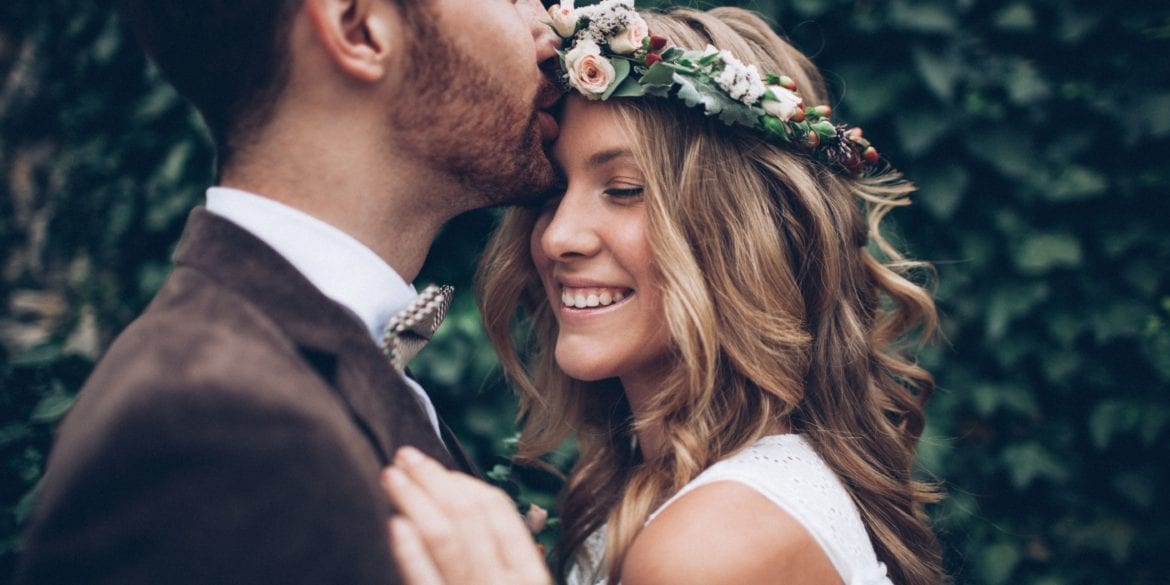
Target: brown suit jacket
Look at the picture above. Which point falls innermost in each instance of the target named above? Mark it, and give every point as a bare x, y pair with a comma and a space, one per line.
234, 433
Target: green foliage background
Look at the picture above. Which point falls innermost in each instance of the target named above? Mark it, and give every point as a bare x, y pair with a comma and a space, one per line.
1038, 132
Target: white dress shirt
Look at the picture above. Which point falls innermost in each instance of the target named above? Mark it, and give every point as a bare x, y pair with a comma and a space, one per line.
343, 268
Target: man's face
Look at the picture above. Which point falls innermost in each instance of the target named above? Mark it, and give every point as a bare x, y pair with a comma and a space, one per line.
473, 96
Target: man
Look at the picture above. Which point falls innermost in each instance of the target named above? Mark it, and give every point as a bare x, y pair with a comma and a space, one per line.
235, 432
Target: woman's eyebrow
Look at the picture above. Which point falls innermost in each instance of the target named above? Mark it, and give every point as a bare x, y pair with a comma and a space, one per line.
604, 156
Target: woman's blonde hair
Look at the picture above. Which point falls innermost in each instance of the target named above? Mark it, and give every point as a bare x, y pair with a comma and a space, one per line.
779, 312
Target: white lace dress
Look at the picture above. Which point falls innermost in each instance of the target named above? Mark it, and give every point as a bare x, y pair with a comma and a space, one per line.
786, 470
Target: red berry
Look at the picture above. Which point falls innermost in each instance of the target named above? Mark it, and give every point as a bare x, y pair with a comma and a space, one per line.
657, 42
823, 111
812, 140
871, 155
652, 58
787, 83
797, 116
854, 134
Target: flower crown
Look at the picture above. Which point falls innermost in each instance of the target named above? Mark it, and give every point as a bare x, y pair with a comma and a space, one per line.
611, 53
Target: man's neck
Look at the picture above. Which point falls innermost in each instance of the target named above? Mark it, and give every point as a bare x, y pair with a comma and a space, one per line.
395, 208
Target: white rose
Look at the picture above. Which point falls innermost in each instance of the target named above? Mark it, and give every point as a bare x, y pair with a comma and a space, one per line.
787, 104
630, 38
564, 18
589, 72
580, 49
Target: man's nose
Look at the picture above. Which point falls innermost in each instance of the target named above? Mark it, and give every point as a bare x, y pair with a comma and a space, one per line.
546, 40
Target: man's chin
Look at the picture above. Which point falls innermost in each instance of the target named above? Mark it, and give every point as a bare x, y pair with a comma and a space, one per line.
530, 181
525, 193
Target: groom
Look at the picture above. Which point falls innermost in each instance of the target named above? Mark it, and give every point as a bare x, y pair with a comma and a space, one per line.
235, 432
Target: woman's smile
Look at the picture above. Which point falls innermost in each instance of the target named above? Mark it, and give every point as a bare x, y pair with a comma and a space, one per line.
593, 297
591, 251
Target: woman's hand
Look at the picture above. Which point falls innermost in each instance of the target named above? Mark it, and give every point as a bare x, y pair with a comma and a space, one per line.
456, 530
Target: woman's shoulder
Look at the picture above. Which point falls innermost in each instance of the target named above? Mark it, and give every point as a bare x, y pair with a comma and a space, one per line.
788, 472
776, 506
725, 532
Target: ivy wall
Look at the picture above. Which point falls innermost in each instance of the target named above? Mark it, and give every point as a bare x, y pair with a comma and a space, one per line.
1038, 131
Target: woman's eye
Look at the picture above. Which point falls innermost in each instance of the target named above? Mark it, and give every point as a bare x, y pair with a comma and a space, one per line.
624, 192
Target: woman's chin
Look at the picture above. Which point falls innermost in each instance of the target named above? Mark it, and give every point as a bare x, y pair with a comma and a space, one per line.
584, 367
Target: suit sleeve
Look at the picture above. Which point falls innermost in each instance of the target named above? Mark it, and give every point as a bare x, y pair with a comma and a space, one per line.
211, 486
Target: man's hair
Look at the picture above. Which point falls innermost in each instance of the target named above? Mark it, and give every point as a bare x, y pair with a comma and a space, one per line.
228, 57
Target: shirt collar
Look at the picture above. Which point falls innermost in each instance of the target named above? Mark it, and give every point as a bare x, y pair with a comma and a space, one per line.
344, 269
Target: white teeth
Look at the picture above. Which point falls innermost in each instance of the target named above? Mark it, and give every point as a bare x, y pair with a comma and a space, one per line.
590, 297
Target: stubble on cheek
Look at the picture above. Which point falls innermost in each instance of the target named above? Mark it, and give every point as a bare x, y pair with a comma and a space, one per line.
471, 124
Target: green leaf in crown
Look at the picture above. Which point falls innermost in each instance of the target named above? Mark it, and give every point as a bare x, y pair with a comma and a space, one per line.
608, 52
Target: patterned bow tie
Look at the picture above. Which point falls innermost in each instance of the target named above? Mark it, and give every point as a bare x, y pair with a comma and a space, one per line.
411, 328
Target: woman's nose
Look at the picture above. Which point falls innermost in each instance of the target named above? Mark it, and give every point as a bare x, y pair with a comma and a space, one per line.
572, 231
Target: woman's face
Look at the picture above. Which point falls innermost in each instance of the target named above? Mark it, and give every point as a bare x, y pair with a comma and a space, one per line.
591, 252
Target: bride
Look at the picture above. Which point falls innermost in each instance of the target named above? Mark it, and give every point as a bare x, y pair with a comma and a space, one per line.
716, 318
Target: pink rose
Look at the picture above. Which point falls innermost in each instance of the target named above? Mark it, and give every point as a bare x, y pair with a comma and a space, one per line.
629, 39
784, 104
564, 18
589, 72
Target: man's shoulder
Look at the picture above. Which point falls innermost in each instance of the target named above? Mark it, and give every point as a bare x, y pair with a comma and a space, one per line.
196, 332
192, 303
201, 373
200, 351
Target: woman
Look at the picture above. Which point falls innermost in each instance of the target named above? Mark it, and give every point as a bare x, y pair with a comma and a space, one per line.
709, 317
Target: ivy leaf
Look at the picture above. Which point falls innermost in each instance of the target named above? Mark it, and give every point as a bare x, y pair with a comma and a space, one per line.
1111, 418
990, 399
940, 73
703, 59
672, 54
658, 79
1029, 462
941, 189
629, 87
776, 128
499, 473
621, 71
1010, 151
998, 561
920, 128
39, 356
695, 91
1041, 253
1016, 18
52, 407
1076, 183
923, 17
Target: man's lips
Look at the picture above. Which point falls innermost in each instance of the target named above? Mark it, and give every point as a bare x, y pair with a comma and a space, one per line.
549, 129
548, 98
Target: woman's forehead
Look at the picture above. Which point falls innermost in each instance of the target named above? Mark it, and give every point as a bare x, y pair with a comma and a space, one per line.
590, 131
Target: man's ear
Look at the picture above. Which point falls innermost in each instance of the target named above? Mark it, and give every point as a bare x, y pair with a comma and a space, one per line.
358, 35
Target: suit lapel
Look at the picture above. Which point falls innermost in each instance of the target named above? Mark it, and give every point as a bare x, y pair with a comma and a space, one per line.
464, 462
327, 335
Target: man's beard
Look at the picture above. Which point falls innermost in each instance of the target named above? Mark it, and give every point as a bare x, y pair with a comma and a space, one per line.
466, 123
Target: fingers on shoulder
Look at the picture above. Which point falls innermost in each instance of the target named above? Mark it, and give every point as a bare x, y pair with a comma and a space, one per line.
458, 492
726, 533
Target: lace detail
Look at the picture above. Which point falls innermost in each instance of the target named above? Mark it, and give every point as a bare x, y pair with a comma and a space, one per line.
786, 470
587, 569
